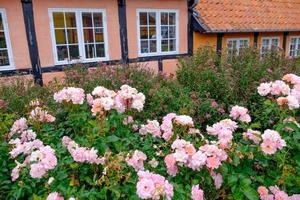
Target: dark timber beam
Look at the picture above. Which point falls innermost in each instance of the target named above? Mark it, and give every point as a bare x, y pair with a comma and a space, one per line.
123, 30
31, 41
255, 39
190, 29
219, 43
285, 34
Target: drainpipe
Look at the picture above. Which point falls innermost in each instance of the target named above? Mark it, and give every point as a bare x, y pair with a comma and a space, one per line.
191, 6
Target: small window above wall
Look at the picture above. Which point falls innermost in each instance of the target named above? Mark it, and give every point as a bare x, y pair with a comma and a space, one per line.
6, 61
269, 44
78, 35
157, 32
235, 45
294, 47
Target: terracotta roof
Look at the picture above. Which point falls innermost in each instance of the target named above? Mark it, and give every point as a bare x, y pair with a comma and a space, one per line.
249, 15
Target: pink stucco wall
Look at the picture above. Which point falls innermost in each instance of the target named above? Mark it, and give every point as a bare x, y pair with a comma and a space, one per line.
44, 35
133, 5
17, 32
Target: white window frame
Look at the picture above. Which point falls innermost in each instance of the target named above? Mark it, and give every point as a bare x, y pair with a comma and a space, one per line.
158, 32
78, 15
297, 43
11, 65
270, 45
238, 43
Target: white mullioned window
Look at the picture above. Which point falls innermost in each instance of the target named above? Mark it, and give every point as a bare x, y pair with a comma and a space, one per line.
78, 35
157, 32
269, 44
235, 45
294, 47
6, 58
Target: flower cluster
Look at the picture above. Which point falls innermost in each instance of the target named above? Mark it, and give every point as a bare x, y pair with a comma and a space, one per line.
287, 96
197, 193
241, 113
153, 186
185, 154
224, 130
136, 160
38, 157
105, 99
70, 94
40, 115
274, 193
165, 130
271, 142
82, 154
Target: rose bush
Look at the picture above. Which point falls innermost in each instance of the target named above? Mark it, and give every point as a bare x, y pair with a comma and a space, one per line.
96, 144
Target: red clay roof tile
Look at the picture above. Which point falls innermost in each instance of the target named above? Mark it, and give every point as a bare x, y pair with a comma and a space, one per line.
249, 15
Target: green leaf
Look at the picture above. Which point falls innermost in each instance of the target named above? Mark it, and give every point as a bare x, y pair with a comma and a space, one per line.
112, 138
250, 193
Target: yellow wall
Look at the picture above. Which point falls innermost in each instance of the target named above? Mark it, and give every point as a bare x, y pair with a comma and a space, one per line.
210, 39
204, 40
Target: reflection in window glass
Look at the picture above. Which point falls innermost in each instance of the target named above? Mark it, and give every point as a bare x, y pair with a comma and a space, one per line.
157, 32
78, 34
268, 45
235, 46
294, 47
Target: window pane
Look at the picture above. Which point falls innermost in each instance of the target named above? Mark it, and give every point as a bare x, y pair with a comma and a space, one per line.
172, 46
152, 18
152, 33
143, 18
99, 37
2, 40
100, 50
72, 36
172, 32
4, 58
1, 22
164, 46
172, 18
60, 36
88, 35
62, 53
164, 18
58, 19
144, 33
152, 46
89, 51
70, 20
144, 46
87, 20
74, 52
164, 32
98, 22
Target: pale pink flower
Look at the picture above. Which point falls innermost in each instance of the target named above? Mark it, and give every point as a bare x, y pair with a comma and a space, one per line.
293, 102
136, 160
145, 188
54, 196
272, 142
214, 104
184, 120
101, 91
128, 120
218, 179
40, 115
19, 126
151, 127
264, 89
280, 88
197, 193
197, 161
170, 162
89, 99
70, 94
291, 78
241, 113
